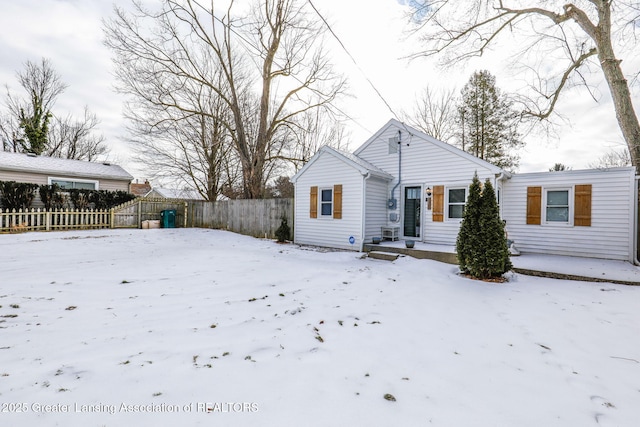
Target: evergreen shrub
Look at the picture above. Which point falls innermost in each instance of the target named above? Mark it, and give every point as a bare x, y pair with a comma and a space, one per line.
481, 245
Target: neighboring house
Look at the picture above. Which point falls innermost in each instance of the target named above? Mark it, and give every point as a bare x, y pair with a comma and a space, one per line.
404, 184
140, 190
68, 174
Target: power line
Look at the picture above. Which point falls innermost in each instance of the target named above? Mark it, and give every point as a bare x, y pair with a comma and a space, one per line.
353, 59
257, 49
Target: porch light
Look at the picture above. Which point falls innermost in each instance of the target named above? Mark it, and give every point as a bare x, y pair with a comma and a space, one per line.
428, 192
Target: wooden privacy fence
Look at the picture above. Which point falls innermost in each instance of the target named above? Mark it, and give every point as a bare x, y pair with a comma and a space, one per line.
258, 218
43, 220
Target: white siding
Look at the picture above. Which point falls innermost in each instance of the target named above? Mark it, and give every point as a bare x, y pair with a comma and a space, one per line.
426, 163
376, 207
328, 171
610, 235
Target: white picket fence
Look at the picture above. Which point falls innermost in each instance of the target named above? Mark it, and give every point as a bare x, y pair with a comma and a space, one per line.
43, 220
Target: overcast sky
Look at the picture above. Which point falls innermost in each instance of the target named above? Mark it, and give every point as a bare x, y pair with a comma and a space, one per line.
69, 33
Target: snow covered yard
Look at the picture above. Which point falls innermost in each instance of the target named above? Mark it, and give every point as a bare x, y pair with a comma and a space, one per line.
205, 327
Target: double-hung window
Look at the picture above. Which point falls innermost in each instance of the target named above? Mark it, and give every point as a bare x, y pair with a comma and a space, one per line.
326, 202
557, 206
455, 204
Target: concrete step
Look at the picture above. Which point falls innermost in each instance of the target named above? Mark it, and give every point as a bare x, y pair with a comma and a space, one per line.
386, 256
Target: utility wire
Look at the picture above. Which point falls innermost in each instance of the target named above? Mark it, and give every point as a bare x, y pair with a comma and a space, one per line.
250, 44
353, 59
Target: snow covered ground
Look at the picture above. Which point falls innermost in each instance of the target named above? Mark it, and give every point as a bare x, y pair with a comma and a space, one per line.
204, 327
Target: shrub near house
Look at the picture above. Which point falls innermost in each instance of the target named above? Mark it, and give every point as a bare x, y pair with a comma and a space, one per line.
481, 244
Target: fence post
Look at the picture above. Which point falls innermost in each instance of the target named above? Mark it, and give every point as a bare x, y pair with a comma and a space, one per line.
186, 211
111, 218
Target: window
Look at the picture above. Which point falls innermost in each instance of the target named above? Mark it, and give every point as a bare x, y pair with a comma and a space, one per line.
560, 206
326, 202
69, 184
457, 198
329, 202
557, 206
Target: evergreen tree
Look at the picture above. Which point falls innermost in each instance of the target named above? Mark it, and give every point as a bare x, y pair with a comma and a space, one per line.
493, 253
487, 124
468, 237
481, 245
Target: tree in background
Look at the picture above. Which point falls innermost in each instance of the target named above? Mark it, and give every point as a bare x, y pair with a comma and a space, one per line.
435, 114
481, 245
559, 167
556, 43
612, 159
486, 123
267, 68
30, 126
43, 86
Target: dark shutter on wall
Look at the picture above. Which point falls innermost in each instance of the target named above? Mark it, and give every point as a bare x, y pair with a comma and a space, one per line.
534, 205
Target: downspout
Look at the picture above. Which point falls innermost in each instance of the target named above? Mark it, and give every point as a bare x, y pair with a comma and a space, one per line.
500, 177
393, 202
364, 210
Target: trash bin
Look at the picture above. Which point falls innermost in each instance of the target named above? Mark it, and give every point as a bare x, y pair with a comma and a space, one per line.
168, 218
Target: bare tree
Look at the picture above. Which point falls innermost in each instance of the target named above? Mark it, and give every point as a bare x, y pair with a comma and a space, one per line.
72, 138
612, 159
577, 37
184, 148
10, 134
43, 85
435, 114
31, 126
271, 65
312, 130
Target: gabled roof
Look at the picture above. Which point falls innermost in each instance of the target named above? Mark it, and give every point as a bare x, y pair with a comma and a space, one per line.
174, 193
417, 133
19, 162
350, 159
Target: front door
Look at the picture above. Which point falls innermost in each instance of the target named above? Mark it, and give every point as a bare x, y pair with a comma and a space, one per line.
412, 211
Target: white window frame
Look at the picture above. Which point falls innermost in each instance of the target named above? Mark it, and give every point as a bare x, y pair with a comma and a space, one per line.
321, 202
96, 184
447, 203
569, 222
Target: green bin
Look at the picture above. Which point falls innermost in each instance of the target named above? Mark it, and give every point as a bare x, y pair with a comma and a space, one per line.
168, 218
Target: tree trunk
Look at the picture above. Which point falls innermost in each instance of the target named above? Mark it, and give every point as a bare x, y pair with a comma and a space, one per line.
627, 118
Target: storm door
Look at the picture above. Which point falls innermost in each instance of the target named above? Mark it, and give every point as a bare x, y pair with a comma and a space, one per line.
412, 211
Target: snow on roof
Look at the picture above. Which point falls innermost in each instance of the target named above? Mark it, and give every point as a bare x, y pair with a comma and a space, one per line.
172, 193
20, 162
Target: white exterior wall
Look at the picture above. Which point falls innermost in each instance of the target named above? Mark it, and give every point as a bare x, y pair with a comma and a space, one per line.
424, 164
377, 194
326, 172
610, 235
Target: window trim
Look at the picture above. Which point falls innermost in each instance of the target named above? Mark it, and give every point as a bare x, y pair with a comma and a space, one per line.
96, 183
570, 206
447, 203
321, 202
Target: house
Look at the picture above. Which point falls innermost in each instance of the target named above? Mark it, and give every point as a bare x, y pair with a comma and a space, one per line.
67, 173
140, 190
403, 184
